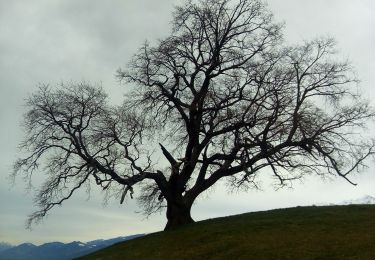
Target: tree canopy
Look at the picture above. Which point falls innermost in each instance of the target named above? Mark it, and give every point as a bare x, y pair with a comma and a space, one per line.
222, 97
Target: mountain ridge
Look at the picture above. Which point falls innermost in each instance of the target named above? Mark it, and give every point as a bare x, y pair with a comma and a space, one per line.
364, 200
58, 250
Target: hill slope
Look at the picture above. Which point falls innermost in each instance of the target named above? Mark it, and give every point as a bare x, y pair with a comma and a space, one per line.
335, 232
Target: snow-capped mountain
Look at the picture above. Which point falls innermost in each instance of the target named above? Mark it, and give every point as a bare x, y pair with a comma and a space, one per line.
362, 200
57, 250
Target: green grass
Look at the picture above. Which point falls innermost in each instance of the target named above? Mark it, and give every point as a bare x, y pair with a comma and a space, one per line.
335, 232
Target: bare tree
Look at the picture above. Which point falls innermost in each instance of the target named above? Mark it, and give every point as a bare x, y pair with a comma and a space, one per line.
224, 97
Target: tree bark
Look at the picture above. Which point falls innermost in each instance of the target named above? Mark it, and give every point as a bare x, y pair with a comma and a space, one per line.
178, 214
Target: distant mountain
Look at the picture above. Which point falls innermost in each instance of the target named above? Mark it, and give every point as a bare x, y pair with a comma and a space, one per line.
4, 246
56, 250
363, 200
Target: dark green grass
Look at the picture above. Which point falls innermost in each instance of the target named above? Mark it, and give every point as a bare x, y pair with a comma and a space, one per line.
335, 232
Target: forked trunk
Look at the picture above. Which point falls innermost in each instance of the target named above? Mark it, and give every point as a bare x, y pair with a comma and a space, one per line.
178, 214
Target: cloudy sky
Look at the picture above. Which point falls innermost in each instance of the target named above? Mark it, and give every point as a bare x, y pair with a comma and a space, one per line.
50, 41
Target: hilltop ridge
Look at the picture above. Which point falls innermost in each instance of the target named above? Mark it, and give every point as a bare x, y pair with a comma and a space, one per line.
327, 232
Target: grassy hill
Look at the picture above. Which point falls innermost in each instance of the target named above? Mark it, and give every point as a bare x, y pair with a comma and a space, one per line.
335, 232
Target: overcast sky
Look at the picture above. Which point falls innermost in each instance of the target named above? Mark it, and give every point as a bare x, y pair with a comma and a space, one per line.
50, 41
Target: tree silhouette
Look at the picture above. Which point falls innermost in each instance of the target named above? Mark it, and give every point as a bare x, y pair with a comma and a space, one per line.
221, 98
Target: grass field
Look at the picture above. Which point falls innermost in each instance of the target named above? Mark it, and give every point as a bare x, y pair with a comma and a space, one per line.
334, 232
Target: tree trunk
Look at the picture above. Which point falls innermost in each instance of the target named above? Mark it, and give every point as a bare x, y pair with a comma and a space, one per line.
178, 214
